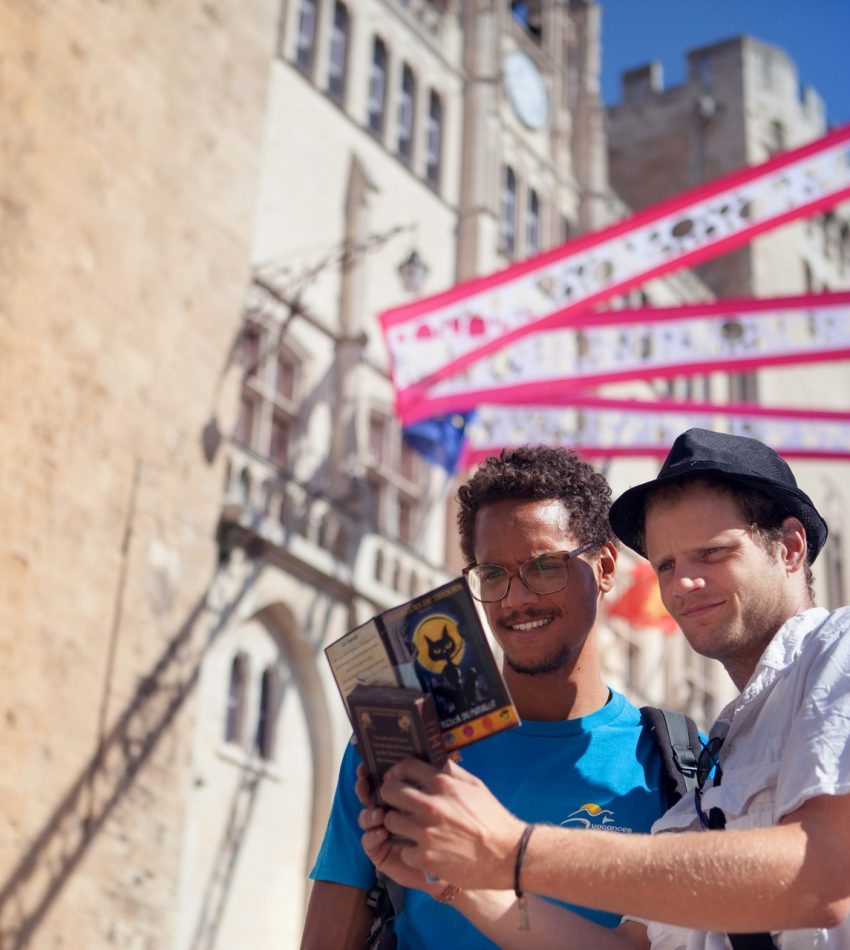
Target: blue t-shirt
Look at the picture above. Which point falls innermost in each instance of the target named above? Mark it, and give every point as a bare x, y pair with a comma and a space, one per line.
602, 771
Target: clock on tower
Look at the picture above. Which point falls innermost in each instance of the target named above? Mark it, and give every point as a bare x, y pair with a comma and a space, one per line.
526, 89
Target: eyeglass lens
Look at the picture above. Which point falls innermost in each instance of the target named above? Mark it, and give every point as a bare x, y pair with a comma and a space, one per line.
545, 574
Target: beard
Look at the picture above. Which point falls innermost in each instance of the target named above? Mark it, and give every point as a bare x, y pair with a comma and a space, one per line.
555, 661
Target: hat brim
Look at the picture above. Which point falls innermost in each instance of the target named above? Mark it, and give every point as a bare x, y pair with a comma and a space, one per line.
628, 511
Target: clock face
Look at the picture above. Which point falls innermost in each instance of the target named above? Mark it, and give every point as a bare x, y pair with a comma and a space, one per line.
526, 90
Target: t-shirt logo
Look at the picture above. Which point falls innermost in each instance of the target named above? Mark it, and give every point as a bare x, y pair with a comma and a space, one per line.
591, 815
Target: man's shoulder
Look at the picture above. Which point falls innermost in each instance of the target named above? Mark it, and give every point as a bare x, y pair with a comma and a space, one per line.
825, 648
835, 623
806, 639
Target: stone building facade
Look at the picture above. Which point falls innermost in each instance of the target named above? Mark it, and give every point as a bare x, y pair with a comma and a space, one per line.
459, 137
204, 211
130, 147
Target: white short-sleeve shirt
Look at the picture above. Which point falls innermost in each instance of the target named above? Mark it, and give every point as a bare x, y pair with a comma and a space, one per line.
787, 740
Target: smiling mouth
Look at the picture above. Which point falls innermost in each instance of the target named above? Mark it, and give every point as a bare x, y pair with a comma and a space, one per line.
529, 624
697, 609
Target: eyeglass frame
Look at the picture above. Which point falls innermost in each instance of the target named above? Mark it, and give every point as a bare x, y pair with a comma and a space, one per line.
566, 555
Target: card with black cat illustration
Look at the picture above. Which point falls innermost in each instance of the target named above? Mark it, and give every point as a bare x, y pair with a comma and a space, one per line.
436, 644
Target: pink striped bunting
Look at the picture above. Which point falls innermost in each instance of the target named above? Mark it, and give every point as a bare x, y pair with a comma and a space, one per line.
616, 428
438, 336
548, 365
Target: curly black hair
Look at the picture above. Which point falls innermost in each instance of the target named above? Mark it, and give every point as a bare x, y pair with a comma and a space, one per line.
538, 473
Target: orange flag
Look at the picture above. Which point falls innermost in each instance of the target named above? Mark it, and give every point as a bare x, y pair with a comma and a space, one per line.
641, 604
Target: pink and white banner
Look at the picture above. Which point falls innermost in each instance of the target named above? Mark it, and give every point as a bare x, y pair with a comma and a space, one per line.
438, 336
732, 335
599, 427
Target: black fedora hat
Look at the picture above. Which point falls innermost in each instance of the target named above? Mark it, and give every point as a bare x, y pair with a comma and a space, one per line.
736, 459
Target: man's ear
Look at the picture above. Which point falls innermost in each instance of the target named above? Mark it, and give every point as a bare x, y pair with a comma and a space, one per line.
794, 545
607, 566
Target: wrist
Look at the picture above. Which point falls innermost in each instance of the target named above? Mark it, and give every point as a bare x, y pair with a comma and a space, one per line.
522, 847
504, 856
449, 894
519, 861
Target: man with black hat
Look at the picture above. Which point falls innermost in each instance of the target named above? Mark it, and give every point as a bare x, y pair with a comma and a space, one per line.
731, 538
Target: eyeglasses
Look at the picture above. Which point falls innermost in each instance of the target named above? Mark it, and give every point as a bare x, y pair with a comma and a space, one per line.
544, 574
708, 763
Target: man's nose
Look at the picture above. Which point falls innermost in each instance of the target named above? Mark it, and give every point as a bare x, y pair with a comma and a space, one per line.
687, 579
517, 593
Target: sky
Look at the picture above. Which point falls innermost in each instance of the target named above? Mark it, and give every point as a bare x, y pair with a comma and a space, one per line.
814, 33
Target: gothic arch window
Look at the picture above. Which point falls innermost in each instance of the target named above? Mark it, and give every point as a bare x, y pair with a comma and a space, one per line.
434, 140
406, 114
267, 713
508, 212
245, 486
338, 62
236, 693
305, 43
532, 230
378, 88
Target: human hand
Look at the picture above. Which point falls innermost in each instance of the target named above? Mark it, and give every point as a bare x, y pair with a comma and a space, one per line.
382, 850
363, 787
460, 831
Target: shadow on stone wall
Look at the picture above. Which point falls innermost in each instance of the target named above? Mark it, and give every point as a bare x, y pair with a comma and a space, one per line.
38, 879
224, 864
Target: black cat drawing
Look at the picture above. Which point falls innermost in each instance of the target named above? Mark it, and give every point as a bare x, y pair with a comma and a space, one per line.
462, 684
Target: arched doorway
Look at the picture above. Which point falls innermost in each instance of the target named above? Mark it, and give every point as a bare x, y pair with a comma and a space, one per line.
262, 771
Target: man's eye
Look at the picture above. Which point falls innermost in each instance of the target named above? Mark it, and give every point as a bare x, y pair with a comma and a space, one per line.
548, 566
663, 567
489, 573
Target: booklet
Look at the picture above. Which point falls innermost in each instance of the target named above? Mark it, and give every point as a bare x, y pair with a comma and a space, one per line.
392, 723
434, 644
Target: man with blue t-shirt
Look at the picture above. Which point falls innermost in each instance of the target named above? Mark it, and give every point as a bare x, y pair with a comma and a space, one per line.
534, 529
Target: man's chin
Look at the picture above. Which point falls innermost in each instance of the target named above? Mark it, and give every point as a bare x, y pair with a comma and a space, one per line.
549, 664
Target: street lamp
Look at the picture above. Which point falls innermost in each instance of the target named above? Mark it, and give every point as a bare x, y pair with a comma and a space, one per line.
413, 271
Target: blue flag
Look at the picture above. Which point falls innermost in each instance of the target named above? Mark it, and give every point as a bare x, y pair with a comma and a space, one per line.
439, 440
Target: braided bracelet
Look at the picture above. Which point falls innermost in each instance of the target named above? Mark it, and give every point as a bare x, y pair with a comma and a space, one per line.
448, 894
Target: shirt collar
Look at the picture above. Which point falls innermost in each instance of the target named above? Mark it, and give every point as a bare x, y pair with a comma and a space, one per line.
780, 653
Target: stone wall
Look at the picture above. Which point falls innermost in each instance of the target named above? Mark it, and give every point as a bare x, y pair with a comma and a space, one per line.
129, 153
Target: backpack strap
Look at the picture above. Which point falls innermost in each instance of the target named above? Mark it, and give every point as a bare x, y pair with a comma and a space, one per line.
386, 900
678, 741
